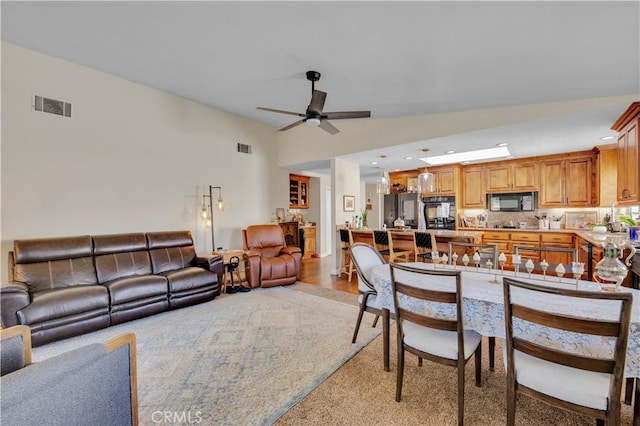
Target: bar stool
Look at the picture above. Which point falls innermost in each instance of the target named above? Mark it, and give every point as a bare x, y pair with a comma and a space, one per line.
346, 239
425, 246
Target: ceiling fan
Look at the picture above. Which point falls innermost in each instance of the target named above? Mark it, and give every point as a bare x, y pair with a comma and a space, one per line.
314, 114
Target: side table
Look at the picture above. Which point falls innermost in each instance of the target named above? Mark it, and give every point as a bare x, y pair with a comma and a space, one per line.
227, 255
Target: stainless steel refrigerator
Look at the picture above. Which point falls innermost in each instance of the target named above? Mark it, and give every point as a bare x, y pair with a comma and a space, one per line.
405, 206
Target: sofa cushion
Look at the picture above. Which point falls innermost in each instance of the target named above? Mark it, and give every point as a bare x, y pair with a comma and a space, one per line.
63, 302
56, 274
268, 239
187, 279
113, 266
118, 243
171, 258
133, 288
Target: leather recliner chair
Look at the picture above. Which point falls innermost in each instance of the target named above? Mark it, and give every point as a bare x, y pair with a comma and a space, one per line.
270, 262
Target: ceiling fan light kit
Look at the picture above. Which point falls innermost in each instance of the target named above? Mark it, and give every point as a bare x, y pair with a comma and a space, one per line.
314, 114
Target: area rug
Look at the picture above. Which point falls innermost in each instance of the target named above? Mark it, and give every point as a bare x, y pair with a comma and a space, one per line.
241, 359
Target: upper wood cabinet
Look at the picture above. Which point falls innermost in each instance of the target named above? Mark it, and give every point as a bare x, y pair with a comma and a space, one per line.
473, 191
513, 176
446, 180
298, 192
567, 182
628, 155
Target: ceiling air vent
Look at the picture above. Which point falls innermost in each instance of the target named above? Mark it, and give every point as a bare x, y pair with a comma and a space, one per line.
52, 106
245, 149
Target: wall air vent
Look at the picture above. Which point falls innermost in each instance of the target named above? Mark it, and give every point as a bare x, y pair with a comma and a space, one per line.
52, 106
245, 149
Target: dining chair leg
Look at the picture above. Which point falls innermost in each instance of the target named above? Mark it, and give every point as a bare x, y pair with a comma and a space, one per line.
419, 361
511, 403
358, 321
599, 422
636, 405
350, 270
400, 373
492, 352
478, 362
375, 321
460, 394
385, 338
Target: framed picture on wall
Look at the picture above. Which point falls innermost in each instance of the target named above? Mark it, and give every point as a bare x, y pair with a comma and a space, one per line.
349, 203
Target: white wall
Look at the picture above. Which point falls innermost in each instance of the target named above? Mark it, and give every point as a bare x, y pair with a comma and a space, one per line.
131, 159
345, 180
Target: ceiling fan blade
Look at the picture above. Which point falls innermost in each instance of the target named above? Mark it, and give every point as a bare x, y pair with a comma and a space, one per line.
340, 115
317, 102
291, 126
280, 111
328, 127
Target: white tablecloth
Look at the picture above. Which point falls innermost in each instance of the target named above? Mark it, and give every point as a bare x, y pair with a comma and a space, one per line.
483, 310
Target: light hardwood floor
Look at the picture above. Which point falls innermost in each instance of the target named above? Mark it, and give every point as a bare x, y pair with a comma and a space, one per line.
317, 271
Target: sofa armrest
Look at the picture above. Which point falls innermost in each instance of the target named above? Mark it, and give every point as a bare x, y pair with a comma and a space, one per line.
213, 263
291, 250
252, 267
15, 348
13, 297
35, 394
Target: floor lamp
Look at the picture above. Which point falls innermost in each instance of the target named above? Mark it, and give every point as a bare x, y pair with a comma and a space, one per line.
207, 211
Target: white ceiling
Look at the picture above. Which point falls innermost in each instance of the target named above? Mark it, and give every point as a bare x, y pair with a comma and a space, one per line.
393, 58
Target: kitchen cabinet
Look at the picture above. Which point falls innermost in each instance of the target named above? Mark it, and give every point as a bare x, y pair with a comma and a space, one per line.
446, 179
298, 192
567, 182
500, 239
528, 239
513, 176
473, 191
400, 181
557, 240
309, 241
628, 155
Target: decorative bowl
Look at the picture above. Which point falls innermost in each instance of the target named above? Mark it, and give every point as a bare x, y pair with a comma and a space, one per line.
600, 229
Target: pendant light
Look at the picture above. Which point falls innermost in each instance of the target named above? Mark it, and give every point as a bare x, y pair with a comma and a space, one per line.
426, 180
383, 183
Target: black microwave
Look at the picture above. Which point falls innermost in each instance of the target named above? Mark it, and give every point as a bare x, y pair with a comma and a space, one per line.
515, 202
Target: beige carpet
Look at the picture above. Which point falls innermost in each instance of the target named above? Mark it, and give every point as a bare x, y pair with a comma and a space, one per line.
361, 393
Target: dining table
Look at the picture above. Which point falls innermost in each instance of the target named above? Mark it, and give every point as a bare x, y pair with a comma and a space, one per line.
483, 309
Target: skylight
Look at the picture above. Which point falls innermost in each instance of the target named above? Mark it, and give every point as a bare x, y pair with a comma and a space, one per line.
469, 156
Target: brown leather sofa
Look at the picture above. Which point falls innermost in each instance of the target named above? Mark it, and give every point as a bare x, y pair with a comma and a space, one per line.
270, 262
62, 287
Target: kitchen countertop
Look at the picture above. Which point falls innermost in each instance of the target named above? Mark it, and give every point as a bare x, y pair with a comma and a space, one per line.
594, 238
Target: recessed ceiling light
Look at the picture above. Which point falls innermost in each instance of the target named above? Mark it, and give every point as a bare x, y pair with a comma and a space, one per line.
502, 144
450, 152
373, 163
607, 138
408, 158
460, 157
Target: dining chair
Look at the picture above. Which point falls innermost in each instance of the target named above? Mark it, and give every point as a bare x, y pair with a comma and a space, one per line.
561, 377
365, 258
346, 238
394, 253
425, 333
552, 255
381, 242
486, 252
425, 246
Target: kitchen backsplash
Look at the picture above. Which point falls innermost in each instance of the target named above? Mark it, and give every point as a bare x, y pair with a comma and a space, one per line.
486, 218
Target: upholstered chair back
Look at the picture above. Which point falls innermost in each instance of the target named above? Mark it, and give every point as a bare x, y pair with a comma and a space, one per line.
268, 239
121, 255
47, 263
170, 250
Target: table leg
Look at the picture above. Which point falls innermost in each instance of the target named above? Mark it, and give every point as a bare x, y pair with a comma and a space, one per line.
385, 338
492, 352
636, 405
628, 392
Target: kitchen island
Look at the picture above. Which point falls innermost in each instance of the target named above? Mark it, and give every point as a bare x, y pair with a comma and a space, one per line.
403, 238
